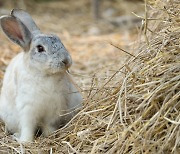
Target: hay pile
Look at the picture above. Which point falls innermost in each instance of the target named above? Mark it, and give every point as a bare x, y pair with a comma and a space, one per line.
136, 109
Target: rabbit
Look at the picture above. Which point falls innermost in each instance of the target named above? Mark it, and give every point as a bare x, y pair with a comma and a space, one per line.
37, 89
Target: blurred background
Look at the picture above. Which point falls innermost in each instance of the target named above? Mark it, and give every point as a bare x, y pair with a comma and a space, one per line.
81, 16
86, 27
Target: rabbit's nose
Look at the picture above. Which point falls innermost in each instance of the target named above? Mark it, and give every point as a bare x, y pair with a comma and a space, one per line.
65, 62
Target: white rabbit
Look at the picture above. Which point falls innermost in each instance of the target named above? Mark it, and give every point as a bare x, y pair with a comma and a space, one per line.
37, 91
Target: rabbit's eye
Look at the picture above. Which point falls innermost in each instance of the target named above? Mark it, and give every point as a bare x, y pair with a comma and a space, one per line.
40, 48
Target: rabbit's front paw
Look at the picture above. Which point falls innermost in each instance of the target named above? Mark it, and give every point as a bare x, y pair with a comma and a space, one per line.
27, 129
26, 137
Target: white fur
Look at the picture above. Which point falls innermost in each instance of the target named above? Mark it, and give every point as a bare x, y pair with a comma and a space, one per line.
29, 99
37, 91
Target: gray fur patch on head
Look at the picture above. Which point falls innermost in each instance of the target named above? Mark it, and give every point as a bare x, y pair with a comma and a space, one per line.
55, 57
52, 42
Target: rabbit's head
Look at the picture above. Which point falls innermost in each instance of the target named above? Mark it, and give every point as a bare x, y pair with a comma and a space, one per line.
46, 53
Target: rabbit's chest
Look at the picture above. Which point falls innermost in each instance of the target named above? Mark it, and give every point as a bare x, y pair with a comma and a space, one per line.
45, 98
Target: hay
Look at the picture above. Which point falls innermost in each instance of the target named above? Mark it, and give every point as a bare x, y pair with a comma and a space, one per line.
134, 110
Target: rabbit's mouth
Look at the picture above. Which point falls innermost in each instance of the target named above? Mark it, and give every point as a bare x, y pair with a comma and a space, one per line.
58, 67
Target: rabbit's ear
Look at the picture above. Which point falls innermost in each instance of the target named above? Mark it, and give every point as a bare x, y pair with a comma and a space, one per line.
16, 31
26, 19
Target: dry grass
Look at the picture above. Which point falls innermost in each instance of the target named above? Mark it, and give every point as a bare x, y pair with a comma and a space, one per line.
134, 110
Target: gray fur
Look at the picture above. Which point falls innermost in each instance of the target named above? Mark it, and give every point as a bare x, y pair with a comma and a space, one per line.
52, 59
